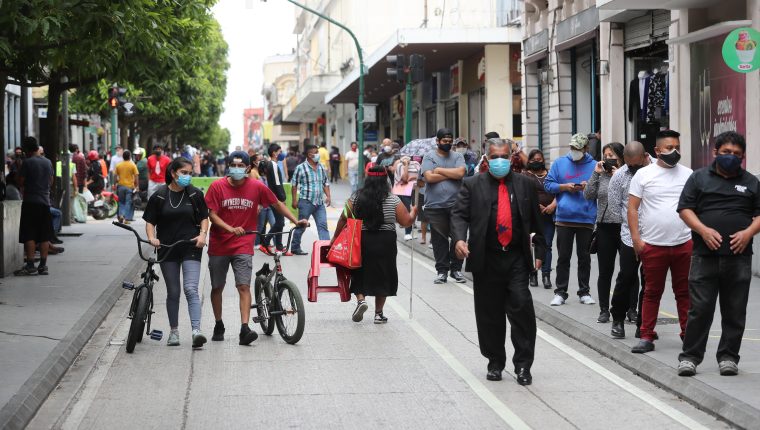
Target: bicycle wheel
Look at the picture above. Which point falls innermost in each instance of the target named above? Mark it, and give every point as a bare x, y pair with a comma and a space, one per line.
263, 289
291, 322
138, 319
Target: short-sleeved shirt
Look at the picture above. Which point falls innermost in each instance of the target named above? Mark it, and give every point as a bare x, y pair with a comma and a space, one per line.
389, 213
724, 204
157, 168
127, 171
142, 169
352, 158
173, 214
659, 189
238, 207
310, 182
442, 194
78, 160
324, 156
37, 172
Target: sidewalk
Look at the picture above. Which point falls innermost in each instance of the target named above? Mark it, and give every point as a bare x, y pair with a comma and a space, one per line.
46, 320
734, 399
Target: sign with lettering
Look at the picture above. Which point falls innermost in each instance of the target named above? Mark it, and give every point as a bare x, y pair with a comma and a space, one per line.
740, 50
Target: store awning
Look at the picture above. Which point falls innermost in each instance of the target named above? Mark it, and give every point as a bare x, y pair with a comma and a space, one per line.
441, 48
307, 104
654, 4
536, 47
718, 29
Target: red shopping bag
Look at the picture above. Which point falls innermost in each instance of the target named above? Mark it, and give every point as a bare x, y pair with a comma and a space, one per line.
346, 251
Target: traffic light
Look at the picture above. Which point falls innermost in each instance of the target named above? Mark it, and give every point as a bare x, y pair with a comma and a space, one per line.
417, 66
113, 97
398, 67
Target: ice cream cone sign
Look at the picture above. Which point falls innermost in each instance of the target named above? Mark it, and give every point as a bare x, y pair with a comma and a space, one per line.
739, 50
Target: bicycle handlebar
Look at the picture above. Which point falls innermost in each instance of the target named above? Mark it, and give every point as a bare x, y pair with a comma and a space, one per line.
280, 233
141, 240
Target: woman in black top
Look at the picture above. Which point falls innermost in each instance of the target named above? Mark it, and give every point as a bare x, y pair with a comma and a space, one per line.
175, 212
334, 164
536, 170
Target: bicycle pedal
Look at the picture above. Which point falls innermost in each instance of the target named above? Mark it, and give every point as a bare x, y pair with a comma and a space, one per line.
156, 334
128, 285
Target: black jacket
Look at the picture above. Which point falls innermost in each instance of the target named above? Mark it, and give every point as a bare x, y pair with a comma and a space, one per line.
473, 209
278, 190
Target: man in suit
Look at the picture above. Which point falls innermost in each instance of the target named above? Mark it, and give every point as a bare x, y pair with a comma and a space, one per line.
499, 256
275, 179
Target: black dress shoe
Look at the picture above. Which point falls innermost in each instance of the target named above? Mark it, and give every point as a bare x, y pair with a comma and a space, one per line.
547, 278
643, 347
604, 316
494, 375
523, 376
300, 252
638, 334
618, 329
533, 278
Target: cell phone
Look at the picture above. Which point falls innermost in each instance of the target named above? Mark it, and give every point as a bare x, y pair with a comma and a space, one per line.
578, 185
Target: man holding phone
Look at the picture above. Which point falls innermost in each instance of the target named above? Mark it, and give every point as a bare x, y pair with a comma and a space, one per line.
575, 217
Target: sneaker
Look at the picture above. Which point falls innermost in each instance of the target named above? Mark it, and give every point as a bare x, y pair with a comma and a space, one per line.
218, 332
380, 318
361, 307
687, 368
408, 237
173, 338
42, 270
458, 277
728, 368
247, 336
198, 338
643, 346
300, 252
587, 300
56, 241
26, 271
440, 279
604, 316
430, 245
557, 300
631, 315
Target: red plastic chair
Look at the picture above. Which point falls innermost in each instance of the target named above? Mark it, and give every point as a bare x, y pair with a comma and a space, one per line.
318, 262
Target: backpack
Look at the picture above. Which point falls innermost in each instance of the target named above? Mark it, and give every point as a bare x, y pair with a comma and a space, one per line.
192, 193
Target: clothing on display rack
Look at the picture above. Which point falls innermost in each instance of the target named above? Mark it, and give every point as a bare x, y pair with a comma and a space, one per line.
657, 96
638, 97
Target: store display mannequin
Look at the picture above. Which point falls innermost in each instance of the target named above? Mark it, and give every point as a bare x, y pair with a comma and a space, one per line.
638, 97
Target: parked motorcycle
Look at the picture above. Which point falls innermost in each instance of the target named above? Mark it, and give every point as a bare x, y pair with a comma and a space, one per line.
105, 205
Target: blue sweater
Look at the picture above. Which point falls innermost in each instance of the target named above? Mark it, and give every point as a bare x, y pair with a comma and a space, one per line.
572, 207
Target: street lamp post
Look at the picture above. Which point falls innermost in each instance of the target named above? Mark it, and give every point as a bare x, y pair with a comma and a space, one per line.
360, 116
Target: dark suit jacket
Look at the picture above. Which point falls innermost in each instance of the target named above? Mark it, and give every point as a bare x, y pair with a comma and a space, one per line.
278, 190
473, 209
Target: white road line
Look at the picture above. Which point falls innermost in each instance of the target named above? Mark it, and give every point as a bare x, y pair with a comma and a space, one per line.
506, 414
671, 412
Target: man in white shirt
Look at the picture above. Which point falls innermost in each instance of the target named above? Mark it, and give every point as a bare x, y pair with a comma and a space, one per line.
352, 160
661, 239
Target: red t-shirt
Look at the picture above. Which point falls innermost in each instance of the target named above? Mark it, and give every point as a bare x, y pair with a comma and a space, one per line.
159, 177
238, 207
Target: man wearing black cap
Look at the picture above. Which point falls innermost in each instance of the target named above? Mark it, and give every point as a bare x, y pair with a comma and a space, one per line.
443, 171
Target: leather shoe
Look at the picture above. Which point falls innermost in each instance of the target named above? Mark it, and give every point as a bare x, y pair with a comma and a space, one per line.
533, 278
618, 329
300, 252
643, 347
523, 376
494, 375
547, 279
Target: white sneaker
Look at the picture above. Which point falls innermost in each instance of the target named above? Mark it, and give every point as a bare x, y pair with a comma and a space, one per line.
557, 300
173, 338
430, 246
408, 237
587, 300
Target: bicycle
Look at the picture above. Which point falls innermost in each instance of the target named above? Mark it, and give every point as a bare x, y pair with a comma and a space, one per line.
287, 310
141, 309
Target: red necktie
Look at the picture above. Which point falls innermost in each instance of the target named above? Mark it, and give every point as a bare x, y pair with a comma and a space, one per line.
504, 216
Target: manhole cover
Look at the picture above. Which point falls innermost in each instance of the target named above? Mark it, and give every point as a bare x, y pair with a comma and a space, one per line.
667, 321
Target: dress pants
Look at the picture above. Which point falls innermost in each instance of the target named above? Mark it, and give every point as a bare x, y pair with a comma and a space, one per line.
501, 293
710, 277
626, 293
549, 227
657, 260
565, 238
443, 248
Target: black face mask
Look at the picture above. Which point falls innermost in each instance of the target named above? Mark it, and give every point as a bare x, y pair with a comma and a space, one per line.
671, 159
536, 165
445, 147
157, 153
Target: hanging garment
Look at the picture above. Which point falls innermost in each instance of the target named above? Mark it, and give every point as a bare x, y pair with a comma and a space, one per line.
656, 100
638, 96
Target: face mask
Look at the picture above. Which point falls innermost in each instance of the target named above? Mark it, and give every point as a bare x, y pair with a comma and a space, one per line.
445, 147
536, 165
236, 173
611, 161
183, 180
729, 163
671, 158
387, 149
315, 158
462, 150
158, 153
498, 167
576, 154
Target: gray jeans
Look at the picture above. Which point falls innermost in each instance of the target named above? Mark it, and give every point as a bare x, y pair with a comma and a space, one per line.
191, 271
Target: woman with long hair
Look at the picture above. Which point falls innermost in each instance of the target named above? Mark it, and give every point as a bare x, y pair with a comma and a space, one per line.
177, 211
608, 223
536, 170
379, 210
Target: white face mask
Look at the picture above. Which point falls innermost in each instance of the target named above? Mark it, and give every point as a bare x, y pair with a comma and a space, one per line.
576, 154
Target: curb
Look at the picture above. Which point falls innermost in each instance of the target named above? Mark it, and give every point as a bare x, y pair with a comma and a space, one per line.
704, 397
22, 407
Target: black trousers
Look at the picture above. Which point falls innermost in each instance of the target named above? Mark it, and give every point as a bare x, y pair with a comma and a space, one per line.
626, 294
565, 238
608, 242
279, 224
724, 278
501, 294
443, 248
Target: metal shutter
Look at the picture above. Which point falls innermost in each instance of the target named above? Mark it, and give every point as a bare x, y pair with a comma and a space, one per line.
647, 29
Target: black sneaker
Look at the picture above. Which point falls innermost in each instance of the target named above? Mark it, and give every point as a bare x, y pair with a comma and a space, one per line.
247, 335
604, 316
380, 318
631, 315
56, 241
361, 307
440, 279
218, 332
26, 271
300, 252
458, 277
42, 270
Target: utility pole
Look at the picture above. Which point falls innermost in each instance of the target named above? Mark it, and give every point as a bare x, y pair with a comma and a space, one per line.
113, 101
65, 169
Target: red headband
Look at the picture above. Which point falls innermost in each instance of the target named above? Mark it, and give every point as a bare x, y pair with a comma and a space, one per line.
383, 173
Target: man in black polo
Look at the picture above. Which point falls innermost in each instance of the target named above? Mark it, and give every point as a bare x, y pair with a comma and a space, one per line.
721, 204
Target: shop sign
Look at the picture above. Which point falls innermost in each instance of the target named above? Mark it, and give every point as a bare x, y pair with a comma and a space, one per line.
454, 85
740, 50
578, 24
370, 135
536, 43
718, 100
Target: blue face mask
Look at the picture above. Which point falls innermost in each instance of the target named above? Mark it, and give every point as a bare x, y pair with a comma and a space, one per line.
499, 167
183, 180
315, 158
729, 163
236, 173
